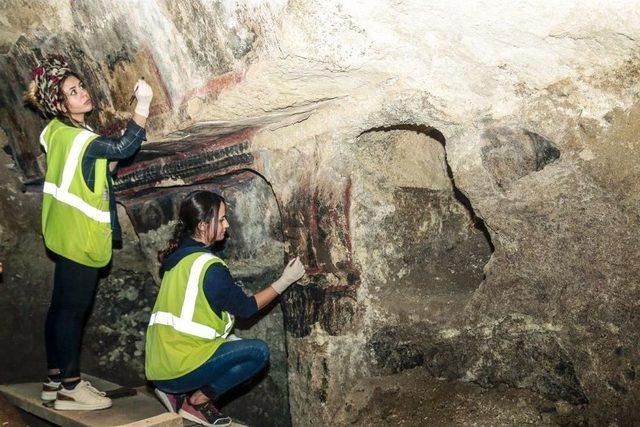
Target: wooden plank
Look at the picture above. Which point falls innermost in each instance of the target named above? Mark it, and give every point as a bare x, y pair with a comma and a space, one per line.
166, 419
125, 410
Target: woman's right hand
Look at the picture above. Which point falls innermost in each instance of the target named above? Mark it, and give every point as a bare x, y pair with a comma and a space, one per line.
292, 272
144, 94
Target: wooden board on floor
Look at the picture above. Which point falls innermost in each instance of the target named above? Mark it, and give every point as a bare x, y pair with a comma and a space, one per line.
139, 410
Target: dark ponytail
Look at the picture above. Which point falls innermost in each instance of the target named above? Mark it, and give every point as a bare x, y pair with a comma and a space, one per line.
178, 234
198, 206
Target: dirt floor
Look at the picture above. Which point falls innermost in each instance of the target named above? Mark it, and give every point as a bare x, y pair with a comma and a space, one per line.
9, 416
414, 397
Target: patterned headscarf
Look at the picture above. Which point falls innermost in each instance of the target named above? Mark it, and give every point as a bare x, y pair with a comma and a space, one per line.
47, 76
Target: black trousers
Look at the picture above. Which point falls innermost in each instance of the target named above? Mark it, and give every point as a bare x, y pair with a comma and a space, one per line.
74, 288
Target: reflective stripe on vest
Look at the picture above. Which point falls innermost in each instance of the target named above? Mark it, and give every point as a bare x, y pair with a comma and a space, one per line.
42, 141
61, 193
185, 322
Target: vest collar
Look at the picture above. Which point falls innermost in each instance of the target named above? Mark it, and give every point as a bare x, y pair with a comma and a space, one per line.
187, 247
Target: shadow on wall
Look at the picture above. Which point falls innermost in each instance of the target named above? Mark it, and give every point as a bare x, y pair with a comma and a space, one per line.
436, 135
433, 244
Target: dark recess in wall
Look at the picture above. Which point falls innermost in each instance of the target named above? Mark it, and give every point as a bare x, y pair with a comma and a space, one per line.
435, 134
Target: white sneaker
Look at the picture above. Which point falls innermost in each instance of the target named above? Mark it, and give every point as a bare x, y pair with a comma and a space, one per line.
50, 390
82, 398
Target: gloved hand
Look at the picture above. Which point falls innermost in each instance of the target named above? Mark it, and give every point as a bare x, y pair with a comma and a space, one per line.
292, 272
144, 95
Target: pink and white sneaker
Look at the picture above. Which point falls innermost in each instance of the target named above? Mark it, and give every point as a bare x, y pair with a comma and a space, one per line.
173, 402
206, 414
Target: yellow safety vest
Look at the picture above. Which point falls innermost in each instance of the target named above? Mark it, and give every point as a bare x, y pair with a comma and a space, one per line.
76, 222
184, 331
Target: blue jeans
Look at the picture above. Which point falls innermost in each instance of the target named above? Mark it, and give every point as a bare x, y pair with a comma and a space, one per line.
233, 363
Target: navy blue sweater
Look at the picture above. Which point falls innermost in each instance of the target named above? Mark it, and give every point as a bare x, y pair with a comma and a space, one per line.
221, 291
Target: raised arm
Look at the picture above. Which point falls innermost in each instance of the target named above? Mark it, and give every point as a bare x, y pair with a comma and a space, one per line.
130, 141
118, 148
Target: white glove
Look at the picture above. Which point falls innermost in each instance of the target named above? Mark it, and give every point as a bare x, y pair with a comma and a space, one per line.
144, 95
292, 272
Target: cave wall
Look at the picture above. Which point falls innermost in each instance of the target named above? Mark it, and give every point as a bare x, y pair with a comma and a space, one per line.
26, 278
461, 180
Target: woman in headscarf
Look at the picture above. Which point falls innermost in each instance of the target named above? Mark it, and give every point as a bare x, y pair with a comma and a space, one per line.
79, 220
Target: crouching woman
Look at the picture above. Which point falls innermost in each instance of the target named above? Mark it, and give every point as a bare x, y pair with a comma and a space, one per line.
189, 357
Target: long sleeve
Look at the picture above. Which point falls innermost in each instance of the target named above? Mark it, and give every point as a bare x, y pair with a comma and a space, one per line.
223, 294
112, 148
117, 148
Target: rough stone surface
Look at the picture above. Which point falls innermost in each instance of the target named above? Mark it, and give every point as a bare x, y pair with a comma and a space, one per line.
460, 179
415, 398
115, 335
9, 415
26, 276
509, 156
536, 359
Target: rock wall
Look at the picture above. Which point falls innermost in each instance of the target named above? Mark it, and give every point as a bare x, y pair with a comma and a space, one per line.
26, 277
461, 181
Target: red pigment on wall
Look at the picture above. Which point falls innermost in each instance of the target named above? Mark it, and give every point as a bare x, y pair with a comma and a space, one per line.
215, 85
